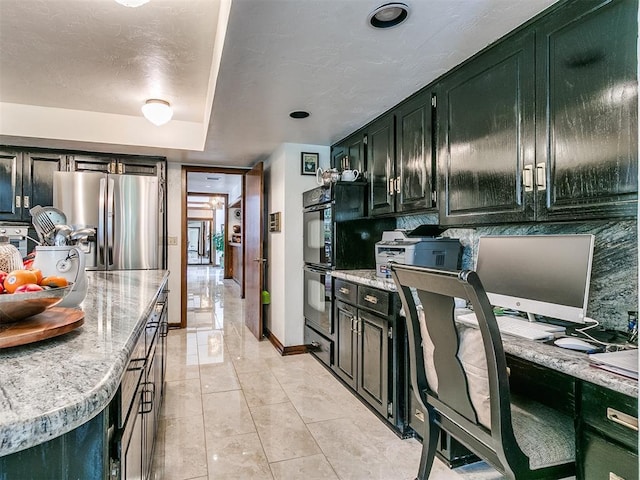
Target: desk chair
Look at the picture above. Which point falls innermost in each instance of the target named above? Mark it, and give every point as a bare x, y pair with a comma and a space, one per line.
459, 375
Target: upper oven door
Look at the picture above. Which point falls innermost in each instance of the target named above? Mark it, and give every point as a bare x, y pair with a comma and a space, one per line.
318, 236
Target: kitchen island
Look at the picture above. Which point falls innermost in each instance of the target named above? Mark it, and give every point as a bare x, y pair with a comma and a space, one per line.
54, 387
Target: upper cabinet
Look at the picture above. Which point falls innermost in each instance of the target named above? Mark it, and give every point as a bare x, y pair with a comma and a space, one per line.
400, 158
26, 179
486, 135
543, 125
587, 118
349, 154
415, 156
380, 165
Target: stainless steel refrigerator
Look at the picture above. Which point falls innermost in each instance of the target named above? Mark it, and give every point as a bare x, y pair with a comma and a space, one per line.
125, 210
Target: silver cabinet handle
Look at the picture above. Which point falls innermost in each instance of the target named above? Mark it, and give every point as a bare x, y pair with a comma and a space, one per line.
419, 415
398, 184
18, 201
371, 299
344, 291
527, 178
622, 419
25, 201
359, 326
390, 189
541, 176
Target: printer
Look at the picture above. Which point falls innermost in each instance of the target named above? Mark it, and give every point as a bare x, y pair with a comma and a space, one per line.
408, 248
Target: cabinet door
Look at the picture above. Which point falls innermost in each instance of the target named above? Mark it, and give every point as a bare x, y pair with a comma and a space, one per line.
345, 361
373, 360
338, 154
587, 113
10, 185
380, 161
38, 171
415, 159
354, 149
486, 136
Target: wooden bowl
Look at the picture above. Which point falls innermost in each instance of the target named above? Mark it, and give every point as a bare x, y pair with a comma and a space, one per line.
18, 306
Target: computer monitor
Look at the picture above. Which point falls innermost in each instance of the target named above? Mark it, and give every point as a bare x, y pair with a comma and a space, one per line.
538, 274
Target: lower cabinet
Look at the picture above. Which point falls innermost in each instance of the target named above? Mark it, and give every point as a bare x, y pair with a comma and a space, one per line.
138, 414
608, 435
368, 349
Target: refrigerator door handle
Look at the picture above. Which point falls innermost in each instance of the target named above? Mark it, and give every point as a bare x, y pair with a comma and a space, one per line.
101, 224
110, 214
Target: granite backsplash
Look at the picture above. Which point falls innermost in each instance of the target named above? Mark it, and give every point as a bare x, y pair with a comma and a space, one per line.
614, 277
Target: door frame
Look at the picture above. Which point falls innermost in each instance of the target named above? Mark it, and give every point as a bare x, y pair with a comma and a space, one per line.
183, 228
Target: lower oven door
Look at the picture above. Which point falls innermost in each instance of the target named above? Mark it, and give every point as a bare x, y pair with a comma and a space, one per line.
317, 299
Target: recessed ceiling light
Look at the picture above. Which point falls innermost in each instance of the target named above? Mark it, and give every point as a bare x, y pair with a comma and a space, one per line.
299, 114
157, 111
132, 3
388, 15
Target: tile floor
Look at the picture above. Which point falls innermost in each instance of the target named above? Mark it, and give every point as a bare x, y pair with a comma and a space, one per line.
235, 409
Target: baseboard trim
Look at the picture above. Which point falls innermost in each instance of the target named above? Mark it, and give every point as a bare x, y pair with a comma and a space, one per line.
282, 350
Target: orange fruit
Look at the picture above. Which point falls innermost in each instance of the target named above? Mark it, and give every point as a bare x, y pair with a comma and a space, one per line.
54, 281
17, 278
38, 273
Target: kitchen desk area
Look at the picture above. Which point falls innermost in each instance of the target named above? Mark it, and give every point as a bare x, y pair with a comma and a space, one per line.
80, 392
606, 447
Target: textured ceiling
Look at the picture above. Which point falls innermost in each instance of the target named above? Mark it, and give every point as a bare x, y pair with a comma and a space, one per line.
73, 73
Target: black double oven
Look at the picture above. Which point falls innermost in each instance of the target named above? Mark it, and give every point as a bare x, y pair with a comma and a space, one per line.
336, 236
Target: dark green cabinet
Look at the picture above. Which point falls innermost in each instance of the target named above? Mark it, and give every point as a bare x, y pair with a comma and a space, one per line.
486, 135
26, 179
349, 154
607, 442
415, 159
368, 351
587, 119
380, 141
345, 360
373, 360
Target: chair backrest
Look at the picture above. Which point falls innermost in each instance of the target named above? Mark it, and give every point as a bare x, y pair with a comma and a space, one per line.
459, 371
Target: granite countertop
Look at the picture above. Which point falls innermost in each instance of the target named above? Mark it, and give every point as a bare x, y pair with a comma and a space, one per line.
50, 387
575, 364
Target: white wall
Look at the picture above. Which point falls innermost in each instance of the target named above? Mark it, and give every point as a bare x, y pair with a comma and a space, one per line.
174, 231
284, 185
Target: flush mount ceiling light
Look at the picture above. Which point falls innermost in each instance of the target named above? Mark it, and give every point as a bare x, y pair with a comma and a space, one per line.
299, 114
132, 3
157, 111
388, 15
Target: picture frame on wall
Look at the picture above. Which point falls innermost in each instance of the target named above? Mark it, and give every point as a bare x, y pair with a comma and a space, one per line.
308, 163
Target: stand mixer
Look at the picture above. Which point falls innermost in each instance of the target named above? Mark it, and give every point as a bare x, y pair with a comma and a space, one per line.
66, 261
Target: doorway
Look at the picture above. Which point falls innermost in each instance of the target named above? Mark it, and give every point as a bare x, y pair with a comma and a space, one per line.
210, 238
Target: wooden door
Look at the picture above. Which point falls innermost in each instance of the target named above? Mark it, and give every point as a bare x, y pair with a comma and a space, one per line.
253, 254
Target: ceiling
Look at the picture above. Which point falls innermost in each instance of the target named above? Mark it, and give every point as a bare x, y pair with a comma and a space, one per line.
74, 73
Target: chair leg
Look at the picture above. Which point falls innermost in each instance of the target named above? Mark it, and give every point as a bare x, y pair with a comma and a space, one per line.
429, 444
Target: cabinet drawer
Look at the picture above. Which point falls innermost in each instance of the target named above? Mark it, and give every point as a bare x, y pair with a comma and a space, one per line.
322, 348
612, 413
604, 460
374, 299
346, 291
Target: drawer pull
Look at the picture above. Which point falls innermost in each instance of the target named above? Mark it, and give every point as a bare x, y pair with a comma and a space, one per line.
371, 299
613, 476
344, 291
622, 419
419, 415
